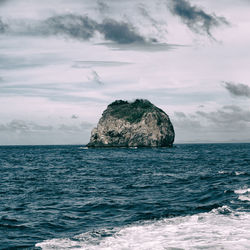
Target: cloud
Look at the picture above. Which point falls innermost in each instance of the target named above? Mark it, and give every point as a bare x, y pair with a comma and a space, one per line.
4, 1
228, 117
22, 132
180, 114
182, 120
120, 32
138, 23
90, 64
149, 47
195, 18
20, 126
81, 28
144, 12
153, 22
226, 124
75, 128
3, 26
102, 7
75, 26
74, 117
237, 89
95, 78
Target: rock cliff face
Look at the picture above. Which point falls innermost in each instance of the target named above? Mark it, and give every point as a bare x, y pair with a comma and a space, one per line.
133, 124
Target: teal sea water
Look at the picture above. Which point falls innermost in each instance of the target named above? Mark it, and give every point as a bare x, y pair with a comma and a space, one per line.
192, 196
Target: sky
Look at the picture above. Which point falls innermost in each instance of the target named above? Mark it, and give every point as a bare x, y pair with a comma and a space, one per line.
62, 62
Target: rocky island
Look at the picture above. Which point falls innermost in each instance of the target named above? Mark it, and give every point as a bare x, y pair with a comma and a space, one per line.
133, 124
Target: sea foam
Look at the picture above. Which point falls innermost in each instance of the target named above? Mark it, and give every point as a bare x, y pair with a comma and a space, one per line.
219, 229
242, 191
244, 194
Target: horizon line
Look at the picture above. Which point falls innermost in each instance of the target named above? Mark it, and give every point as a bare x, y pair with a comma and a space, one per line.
85, 145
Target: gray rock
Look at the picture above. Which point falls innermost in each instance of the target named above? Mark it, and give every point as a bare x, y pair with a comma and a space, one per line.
133, 124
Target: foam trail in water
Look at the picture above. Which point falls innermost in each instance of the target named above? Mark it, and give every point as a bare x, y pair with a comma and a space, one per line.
239, 173
242, 191
244, 194
219, 229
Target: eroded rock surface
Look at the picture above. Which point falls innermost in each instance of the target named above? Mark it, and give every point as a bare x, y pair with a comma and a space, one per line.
133, 124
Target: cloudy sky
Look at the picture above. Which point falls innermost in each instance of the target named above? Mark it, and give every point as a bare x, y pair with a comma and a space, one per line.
62, 62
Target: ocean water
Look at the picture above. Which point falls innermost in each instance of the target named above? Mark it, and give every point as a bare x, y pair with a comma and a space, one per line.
70, 197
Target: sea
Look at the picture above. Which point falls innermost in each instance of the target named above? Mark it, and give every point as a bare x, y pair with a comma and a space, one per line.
191, 196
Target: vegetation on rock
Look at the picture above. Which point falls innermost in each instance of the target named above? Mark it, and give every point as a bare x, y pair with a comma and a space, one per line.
131, 111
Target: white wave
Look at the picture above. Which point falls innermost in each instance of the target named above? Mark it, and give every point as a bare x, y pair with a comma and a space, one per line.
244, 194
222, 172
244, 198
218, 229
228, 172
239, 173
242, 191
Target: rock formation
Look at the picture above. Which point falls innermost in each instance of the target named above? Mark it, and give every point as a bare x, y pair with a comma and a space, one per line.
133, 124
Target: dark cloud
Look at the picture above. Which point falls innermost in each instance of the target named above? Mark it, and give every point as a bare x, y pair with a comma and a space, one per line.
237, 89
3, 26
120, 32
194, 17
95, 78
227, 117
74, 116
84, 28
79, 27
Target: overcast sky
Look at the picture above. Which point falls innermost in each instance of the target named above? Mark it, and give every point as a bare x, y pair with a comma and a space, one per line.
62, 62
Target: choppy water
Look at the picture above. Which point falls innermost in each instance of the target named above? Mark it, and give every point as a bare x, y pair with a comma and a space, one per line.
70, 197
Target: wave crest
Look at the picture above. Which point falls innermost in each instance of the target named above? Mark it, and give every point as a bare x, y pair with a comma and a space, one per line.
219, 229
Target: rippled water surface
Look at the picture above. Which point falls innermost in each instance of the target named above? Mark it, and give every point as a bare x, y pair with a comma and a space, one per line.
71, 197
